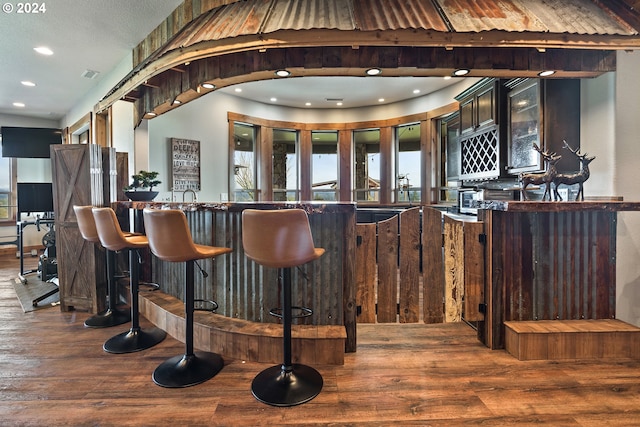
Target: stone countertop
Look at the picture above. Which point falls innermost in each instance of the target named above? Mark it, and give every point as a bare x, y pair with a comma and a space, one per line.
517, 206
309, 207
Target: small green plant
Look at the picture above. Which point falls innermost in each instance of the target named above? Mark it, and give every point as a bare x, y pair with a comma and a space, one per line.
143, 179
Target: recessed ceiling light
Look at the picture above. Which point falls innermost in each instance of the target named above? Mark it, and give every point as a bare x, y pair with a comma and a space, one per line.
447, 77
43, 50
19, 104
416, 91
176, 102
461, 72
373, 71
151, 114
28, 83
339, 104
546, 73
283, 73
208, 85
274, 99
380, 99
308, 104
238, 89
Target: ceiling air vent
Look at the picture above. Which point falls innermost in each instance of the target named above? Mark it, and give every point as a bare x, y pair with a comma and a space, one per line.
90, 74
334, 99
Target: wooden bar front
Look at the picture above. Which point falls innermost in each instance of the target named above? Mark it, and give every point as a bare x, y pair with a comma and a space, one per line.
548, 261
247, 291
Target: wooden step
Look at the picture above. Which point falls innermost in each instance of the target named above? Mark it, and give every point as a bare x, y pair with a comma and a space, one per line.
242, 339
572, 339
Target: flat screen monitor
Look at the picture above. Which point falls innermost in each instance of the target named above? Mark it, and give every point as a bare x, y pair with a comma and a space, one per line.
35, 197
28, 142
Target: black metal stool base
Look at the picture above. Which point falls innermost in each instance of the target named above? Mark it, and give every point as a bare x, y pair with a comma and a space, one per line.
134, 340
108, 318
185, 371
278, 386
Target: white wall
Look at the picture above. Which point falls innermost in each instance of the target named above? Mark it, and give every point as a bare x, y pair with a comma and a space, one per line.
624, 174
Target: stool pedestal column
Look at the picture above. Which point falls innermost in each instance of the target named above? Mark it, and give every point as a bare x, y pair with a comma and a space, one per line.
287, 384
136, 339
191, 368
112, 316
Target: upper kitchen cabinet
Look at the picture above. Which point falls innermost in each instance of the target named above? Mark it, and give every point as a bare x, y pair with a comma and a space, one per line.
481, 129
478, 106
545, 113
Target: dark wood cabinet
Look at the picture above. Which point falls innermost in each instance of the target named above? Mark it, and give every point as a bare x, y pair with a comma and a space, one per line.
545, 113
481, 130
500, 120
478, 106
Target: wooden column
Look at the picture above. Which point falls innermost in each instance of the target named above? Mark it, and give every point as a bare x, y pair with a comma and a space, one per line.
345, 165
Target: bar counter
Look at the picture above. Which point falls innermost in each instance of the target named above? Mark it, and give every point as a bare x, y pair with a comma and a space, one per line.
548, 261
247, 291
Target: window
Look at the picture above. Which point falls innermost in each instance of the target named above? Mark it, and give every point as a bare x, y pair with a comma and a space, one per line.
7, 190
285, 165
367, 165
244, 165
408, 163
324, 165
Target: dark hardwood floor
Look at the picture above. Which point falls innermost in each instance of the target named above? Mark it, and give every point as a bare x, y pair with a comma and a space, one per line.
54, 372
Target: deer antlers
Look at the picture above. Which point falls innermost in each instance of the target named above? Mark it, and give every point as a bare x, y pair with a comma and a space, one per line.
576, 152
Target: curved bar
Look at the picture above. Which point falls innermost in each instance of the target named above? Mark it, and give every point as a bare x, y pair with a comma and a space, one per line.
236, 283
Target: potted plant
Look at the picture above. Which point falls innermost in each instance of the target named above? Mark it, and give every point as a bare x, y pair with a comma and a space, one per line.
141, 188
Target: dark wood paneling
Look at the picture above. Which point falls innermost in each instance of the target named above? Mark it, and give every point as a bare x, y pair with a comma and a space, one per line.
473, 271
388, 270
409, 259
550, 266
246, 290
366, 272
432, 266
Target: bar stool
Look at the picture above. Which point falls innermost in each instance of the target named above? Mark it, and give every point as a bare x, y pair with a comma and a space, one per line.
282, 239
112, 316
112, 238
170, 240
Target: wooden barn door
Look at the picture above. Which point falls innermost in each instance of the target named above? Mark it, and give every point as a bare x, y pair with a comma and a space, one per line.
78, 172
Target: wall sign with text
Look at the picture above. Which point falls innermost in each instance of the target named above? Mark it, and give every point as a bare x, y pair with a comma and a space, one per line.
185, 158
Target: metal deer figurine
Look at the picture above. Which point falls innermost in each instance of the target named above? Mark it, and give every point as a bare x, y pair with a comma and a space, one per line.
541, 178
574, 178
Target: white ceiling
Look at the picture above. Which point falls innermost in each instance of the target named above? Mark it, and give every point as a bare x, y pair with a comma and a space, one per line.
83, 34
324, 92
97, 35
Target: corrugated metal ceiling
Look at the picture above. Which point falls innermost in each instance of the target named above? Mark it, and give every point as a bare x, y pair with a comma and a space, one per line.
552, 16
252, 17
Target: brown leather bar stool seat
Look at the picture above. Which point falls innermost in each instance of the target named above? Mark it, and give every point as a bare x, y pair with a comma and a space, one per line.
282, 239
112, 316
112, 238
170, 240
